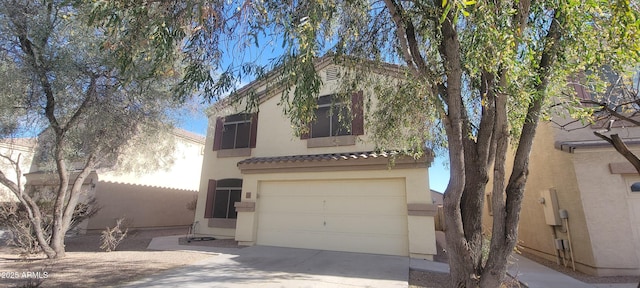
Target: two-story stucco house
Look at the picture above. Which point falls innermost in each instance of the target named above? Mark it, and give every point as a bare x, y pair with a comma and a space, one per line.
582, 200
326, 190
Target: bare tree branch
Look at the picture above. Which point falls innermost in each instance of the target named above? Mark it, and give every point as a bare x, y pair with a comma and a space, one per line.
622, 148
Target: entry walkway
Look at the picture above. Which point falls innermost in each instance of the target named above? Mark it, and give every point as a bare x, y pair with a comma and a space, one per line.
529, 273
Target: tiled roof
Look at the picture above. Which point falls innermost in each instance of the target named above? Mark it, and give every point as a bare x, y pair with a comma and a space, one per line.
24, 142
319, 157
189, 135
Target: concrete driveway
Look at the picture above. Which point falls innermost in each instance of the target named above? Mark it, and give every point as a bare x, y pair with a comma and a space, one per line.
264, 266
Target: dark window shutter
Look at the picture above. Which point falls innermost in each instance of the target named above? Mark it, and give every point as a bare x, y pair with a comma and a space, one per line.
217, 135
357, 108
211, 195
254, 130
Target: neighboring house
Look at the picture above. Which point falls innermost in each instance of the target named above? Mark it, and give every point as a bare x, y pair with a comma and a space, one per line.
437, 197
598, 193
19, 148
155, 199
262, 185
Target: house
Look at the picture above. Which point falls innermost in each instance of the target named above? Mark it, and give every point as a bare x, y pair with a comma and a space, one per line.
15, 149
581, 203
155, 199
437, 197
327, 190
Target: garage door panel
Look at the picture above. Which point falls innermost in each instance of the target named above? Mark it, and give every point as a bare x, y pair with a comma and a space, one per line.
367, 216
301, 239
367, 243
292, 204
357, 189
374, 225
368, 206
282, 222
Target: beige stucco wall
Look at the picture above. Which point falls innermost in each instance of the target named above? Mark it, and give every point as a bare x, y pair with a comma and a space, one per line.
551, 169
141, 206
12, 150
603, 214
183, 173
154, 199
609, 210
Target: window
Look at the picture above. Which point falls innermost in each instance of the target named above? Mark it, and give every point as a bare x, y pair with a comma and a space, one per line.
221, 198
329, 117
635, 187
236, 132
333, 119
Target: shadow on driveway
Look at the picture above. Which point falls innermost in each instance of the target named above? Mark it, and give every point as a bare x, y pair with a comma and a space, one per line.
286, 267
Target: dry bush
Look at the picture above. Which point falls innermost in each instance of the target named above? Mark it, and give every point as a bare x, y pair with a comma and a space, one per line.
191, 205
14, 218
111, 237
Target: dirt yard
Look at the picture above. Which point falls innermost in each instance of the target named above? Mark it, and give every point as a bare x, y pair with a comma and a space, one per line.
87, 266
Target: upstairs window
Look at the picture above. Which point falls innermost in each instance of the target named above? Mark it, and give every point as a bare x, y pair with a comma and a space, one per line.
236, 131
221, 198
333, 119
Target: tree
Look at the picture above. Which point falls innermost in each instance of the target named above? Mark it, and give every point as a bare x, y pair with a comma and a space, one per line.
85, 110
481, 73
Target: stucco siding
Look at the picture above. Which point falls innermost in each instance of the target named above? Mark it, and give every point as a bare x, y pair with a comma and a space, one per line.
14, 150
141, 206
183, 173
603, 214
607, 211
550, 169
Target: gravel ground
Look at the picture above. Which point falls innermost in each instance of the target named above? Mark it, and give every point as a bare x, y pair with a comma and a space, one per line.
87, 266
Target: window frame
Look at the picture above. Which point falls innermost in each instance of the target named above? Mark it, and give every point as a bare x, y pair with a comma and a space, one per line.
229, 184
333, 110
230, 208
235, 119
356, 128
235, 138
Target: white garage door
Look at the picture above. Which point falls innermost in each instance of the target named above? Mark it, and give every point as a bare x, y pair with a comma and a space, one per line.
368, 216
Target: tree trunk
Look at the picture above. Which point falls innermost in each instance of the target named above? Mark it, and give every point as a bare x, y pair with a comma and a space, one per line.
57, 229
505, 221
460, 263
66, 213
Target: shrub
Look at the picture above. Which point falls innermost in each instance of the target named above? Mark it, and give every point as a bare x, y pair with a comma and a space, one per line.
14, 218
111, 237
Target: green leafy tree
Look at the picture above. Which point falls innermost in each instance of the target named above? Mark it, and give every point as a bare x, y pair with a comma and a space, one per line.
85, 110
477, 77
